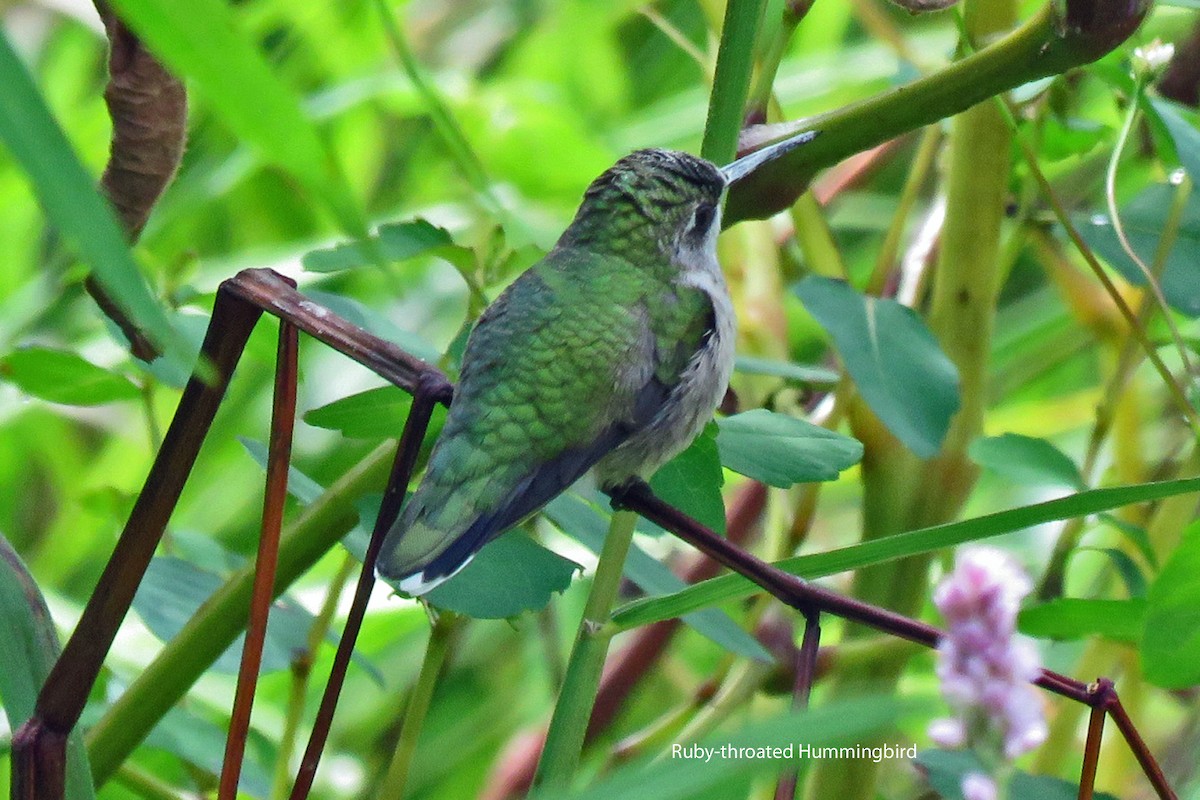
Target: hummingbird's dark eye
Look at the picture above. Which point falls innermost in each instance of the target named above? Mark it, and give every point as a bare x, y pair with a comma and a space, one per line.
702, 219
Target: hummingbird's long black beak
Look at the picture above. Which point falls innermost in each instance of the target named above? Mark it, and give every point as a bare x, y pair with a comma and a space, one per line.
751, 161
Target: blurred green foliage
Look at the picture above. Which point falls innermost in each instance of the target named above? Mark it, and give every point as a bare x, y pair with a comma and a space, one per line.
307, 129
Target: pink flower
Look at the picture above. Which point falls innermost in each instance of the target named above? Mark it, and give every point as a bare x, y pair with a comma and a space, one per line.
984, 666
977, 786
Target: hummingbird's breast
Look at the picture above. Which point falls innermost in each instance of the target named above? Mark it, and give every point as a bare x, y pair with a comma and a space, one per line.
691, 402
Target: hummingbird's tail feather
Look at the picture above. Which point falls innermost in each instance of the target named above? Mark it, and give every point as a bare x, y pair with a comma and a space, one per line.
442, 528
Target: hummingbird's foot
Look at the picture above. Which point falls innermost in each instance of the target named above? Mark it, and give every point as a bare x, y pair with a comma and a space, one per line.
629, 488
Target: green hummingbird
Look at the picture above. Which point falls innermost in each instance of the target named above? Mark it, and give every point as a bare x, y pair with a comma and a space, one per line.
610, 354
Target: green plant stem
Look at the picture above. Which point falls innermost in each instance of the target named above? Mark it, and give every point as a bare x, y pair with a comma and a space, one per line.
185, 658
760, 95
443, 121
900, 491
441, 640
1137, 329
731, 81
1110, 196
815, 239
1045, 45
148, 786
281, 782
917, 174
568, 725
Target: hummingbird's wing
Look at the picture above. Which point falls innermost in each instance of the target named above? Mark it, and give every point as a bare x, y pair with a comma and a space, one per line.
559, 370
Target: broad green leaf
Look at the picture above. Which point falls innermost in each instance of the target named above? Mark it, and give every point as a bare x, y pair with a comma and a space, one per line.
372, 414
802, 373
173, 590
763, 747
895, 361
396, 241
692, 482
781, 450
1183, 134
1171, 641
1144, 218
925, 540
589, 525
945, 770
29, 652
509, 576
223, 66
1026, 460
62, 377
68, 194
1073, 618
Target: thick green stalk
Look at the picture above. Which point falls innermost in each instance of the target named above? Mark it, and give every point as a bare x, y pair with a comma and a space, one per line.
441, 638
901, 491
185, 658
731, 82
1050, 43
568, 725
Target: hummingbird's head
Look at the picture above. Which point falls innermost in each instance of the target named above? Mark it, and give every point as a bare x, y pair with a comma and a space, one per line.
651, 203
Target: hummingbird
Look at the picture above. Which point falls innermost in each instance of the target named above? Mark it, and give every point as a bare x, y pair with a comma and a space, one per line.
610, 354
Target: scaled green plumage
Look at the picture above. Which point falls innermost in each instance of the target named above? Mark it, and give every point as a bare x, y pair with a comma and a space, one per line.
582, 352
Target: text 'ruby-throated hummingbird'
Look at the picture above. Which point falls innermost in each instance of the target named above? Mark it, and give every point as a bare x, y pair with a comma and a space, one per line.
611, 353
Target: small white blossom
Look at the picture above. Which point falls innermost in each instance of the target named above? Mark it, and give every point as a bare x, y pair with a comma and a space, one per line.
1152, 59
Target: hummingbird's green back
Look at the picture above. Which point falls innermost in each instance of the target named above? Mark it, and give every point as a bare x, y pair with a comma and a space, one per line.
586, 355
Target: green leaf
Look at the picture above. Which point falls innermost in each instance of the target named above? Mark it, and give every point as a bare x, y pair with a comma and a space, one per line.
1067, 138
945, 770
173, 590
374, 414
692, 482
925, 540
68, 194
375, 322
62, 377
30, 650
1183, 134
1071, 618
785, 369
763, 747
509, 576
300, 486
1134, 534
1171, 641
895, 361
1126, 567
588, 525
1026, 460
1144, 218
222, 65
781, 450
396, 241
199, 741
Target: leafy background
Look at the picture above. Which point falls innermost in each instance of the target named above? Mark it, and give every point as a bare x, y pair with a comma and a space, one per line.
466, 155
